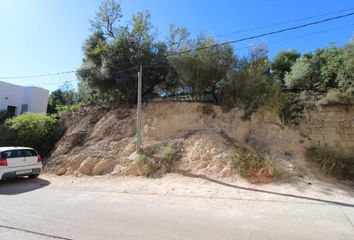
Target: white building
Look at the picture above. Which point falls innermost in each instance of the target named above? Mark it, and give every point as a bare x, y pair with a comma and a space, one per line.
17, 100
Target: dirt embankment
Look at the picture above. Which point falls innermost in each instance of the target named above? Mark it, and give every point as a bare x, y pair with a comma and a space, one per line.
101, 140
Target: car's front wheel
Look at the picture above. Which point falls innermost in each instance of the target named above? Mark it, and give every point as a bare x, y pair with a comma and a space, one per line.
33, 176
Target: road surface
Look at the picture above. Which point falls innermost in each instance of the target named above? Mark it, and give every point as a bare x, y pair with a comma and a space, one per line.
67, 208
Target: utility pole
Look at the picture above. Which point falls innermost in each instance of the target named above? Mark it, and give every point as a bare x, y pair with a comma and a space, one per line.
138, 111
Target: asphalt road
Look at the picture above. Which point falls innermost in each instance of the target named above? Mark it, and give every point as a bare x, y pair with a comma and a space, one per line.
42, 209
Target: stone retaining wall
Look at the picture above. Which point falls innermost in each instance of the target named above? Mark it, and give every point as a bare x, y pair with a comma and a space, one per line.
332, 126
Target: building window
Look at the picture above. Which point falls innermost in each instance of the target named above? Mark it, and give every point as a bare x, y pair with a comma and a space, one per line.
11, 111
24, 108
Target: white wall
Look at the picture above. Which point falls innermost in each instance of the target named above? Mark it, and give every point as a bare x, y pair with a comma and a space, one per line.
13, 95
37, 99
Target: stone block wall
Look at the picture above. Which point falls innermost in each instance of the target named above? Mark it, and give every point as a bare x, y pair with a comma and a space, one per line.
332, 126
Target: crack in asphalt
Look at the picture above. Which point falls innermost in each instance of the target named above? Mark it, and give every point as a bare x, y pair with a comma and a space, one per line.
36, 233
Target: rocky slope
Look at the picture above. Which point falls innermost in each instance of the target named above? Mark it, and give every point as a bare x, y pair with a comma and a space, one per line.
100, 140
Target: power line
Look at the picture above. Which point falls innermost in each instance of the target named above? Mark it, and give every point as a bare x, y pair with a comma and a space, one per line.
39, 75
276, 41
43, 84
272, 25
264, 34
244, 47
54, 74
216, 45
282, 23
58, 83
302, 36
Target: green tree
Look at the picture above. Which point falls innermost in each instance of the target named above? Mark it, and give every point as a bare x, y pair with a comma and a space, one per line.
330, 60
283, 62
107, 16
202, 70
326, 68
86, 94
248, 83
178, 39
64, 96
346, 74
300, 76
111, 64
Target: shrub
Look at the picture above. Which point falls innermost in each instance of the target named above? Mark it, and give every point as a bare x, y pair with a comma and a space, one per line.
336, 97
300, 76
30, 130
287, 106
63, 110
3, 116
6, 135
333, 162
251, 165
169, 154
157, 160
283, 62
276, 101
226, 94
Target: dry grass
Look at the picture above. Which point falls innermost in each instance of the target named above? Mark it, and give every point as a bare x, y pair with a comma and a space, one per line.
336, 97
207, 110
252, 165
333, 162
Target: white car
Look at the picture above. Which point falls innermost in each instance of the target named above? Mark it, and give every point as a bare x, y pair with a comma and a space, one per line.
19, 161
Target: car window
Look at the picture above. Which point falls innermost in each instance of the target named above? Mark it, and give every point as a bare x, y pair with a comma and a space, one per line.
12, 154
5, 154
29, 153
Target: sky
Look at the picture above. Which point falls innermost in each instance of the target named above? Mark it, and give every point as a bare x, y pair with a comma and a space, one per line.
46, 36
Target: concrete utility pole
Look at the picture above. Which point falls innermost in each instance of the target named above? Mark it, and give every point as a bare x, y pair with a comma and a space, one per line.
138, 111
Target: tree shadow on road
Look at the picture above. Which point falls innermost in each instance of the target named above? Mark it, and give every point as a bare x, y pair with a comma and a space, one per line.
21, 185
189, 174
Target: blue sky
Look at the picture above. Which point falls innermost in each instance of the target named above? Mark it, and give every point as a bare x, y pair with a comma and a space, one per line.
46, 36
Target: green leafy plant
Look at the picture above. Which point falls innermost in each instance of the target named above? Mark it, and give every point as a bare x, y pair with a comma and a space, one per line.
283, 62
287, 106
156, 159
114, 50
3, 116
31, 130
63, 110
248, 84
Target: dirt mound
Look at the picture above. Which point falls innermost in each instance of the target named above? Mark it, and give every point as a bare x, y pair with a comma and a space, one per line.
101, 140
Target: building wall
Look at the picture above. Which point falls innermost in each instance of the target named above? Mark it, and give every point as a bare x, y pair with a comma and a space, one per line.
38, 99
332, 126
13, 95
